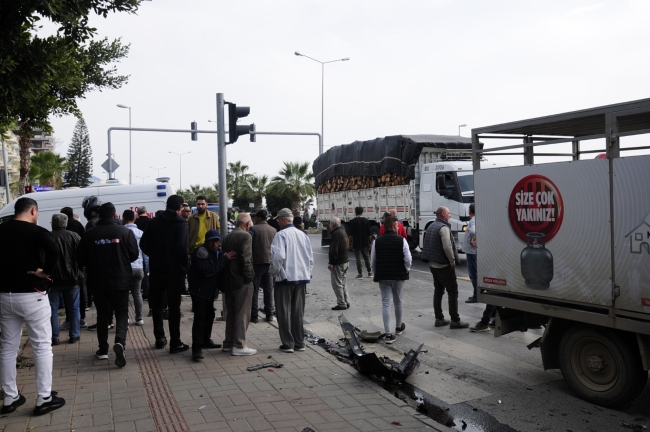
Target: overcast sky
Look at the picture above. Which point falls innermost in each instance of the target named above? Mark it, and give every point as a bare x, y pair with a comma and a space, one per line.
416, 67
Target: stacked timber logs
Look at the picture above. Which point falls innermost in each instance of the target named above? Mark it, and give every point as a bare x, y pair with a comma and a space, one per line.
344, 183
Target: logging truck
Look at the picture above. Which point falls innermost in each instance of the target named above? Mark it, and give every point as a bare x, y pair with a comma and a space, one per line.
414, 174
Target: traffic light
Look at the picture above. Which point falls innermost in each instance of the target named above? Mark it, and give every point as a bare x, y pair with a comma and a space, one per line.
195, 136
28, 189
252, 129
235, 113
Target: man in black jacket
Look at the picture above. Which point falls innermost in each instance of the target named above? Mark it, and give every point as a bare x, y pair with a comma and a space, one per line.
107, 251
27, 260
66, 278
165, 241
339, 263
207, 263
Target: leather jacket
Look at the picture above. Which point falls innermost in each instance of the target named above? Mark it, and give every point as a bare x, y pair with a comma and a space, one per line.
66, 272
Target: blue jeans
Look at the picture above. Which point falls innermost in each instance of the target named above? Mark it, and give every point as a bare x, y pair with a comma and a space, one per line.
71, 299
388, 288
471, 269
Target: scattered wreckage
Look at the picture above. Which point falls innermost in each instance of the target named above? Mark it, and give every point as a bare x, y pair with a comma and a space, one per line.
369, 363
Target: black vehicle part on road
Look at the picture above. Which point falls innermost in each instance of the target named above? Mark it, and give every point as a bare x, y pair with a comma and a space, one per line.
602, 366
397, 154
370, 364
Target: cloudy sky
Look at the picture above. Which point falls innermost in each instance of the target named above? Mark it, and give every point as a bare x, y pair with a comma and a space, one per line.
416, 67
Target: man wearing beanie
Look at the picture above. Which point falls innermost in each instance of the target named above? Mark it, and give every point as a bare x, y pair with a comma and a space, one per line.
73, 224
207, 262
292, 262
107, 252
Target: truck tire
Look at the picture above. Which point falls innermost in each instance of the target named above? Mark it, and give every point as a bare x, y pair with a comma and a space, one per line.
601, 366
413, 243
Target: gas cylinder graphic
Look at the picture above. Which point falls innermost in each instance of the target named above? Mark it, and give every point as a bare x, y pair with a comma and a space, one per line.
536, 262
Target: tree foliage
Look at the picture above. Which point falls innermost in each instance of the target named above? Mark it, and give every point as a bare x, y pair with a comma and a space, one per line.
80, 157
210, 192
44, 75
295, 181
47, 168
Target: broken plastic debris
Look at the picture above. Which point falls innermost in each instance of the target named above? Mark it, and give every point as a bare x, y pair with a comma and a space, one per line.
201, 407
396, 423
264, 365
270, 370
499, 400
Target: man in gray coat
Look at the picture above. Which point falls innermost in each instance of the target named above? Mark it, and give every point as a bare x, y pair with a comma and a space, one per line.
239, 287
263, 234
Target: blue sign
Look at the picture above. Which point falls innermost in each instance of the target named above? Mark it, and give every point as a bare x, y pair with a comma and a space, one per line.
42, 188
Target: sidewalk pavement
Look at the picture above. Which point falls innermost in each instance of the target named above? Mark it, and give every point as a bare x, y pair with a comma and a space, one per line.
158, 391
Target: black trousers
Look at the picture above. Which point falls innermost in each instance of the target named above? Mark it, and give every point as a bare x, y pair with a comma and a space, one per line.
119, 301
172, 286
445, 279
262, 279
203, 319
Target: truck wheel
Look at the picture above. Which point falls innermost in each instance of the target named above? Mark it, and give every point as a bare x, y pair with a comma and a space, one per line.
601, 366
412, 242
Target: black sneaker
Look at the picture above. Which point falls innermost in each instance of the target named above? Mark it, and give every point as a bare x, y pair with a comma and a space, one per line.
458, 325
389, 339
120, 360
197, 355
74, 339
209, 344
55, 342
101, 355
370, 274
471, 300
286, 349
92, 327
8, 409
399, 330
255, 320
442, 322
53, 403
160, 343
359, 276
178, 348
337, 307
111, 325
479, 327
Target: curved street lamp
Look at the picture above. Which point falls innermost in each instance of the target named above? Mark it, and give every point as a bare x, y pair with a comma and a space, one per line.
124, 106
322, 97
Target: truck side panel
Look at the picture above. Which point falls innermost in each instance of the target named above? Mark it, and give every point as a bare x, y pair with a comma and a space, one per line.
632, 232
544, 231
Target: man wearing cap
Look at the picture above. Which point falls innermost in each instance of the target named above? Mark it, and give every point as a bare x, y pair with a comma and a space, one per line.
263, 234
238, 293
292, 261
207, 263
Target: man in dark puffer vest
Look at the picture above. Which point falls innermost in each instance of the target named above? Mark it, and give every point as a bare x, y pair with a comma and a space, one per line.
390, 261
441, 254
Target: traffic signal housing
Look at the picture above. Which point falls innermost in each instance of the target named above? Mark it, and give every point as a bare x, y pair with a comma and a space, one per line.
195, 136
28, 189
234, 114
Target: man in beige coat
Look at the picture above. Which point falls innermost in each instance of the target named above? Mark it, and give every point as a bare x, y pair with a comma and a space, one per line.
238, 286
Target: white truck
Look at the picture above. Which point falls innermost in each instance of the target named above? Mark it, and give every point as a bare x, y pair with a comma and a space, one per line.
566, 244
438, 170
123, 196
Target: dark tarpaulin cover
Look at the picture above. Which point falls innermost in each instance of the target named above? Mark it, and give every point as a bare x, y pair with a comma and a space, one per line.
396, 154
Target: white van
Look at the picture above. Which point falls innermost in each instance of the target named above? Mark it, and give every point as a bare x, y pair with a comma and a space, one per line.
124, 197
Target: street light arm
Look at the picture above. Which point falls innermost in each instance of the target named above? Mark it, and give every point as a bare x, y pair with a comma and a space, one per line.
338, 60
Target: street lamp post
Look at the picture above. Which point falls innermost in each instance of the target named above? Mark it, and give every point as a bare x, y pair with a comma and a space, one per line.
143, 177
180, 160
124, 106
158, 176
322, 97
460, 126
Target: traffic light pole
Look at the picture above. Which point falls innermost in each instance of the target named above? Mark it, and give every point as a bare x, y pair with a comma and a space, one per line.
320, 137
221, 154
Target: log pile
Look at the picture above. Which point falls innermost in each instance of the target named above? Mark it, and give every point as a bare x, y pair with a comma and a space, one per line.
355, 182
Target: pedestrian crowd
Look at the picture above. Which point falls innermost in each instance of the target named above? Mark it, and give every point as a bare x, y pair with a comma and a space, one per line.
177, 253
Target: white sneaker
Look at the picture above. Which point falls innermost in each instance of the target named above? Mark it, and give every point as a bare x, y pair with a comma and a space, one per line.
243, 351
139, 322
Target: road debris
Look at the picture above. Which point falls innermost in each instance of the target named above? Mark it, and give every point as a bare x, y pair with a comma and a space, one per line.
633, 426
264, 365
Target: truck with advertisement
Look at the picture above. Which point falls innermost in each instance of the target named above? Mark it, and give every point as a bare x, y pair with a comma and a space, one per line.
414, 174
566, 244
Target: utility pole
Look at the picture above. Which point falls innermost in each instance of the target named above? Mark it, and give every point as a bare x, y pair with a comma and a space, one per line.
221, 154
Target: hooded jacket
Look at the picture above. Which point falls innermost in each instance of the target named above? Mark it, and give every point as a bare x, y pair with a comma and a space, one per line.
205, 272
107, 252
165, 241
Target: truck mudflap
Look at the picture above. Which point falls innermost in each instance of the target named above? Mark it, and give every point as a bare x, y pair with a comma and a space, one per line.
370, 364
326, 237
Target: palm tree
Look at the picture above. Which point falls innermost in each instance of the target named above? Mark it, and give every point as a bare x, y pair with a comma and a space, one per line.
237, 177
255, 189
295, 181
47, 169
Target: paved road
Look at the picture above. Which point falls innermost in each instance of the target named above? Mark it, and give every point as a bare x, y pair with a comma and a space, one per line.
491, 383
